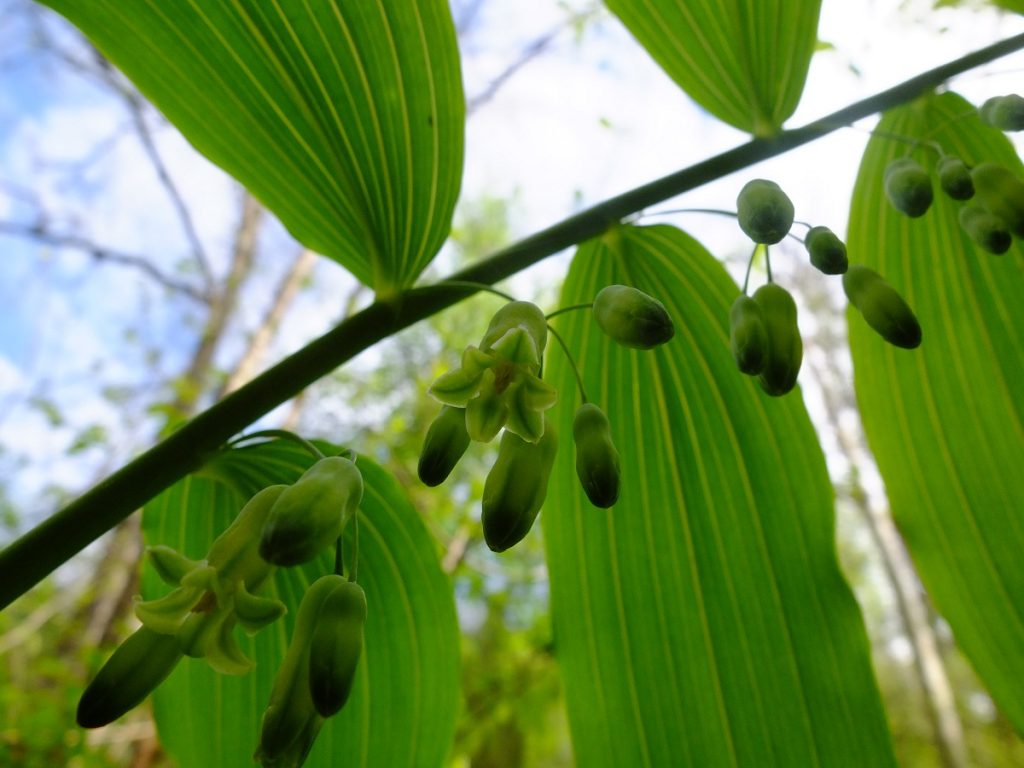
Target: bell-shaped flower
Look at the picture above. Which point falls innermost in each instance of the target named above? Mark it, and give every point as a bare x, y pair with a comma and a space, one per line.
212, 595
498, 383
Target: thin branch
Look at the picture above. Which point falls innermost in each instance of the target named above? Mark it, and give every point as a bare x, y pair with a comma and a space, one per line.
259, 342
136, 110
41, 234
222, 306
531, 51
95, 66
53, 541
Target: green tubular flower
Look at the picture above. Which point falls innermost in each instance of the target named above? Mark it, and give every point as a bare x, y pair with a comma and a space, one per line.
134, 671
827, 251
446, 442
214, 594
515, 488
955, 178
597, 460
882, 307
748, 336
310, 515
785, 347
335, 647
764, 212
985, 228
498, 383
1005, 113
908, 187
632, 318
291, 722
999, 190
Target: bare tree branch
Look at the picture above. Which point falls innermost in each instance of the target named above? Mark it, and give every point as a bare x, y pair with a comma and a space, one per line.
259, 341
530, 52
223, 305
41, 234
136, 106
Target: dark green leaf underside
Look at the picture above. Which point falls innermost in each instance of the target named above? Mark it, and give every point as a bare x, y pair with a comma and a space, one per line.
702, 621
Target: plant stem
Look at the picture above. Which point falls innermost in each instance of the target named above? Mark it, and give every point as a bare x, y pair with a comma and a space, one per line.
571, 308
750, 266
572, 362
475, 287
30, 558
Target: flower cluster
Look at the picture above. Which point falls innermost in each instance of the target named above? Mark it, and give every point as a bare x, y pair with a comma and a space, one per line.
281, 525
763, 332
500, 385
992, 195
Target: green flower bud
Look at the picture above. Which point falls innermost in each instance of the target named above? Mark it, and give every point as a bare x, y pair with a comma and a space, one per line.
632, 318
908, 187
134, 671
597, 461
955, 178
515, 488
291, 723
827, 251
311, 514
998, 189
747, 335
446, 442
764, 211
882, 307
785, 348
985, 228
1005, 113
335, 647
522, 316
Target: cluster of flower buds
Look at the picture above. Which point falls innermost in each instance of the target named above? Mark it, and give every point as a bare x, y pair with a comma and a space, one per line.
992, 195
500, 385
282, 525
763, 332
315, 679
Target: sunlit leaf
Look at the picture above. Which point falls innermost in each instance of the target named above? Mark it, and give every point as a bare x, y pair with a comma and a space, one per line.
745, 61
408, 680
703, 620
345, 118
946, 421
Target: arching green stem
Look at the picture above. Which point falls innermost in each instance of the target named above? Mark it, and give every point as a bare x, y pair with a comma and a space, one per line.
572, 362
38, 552
470, 285
750, 264
572, 308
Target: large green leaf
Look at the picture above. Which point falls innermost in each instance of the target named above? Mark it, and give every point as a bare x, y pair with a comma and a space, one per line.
703, 621
946, 421
403, 706
745, 61
345, 117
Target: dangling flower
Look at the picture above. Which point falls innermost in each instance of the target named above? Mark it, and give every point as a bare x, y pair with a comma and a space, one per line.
214, 594
498, 383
